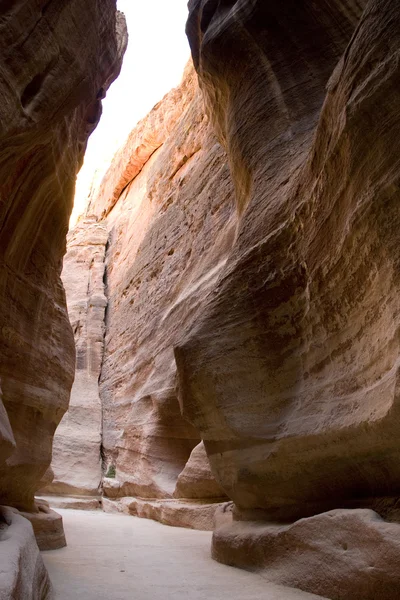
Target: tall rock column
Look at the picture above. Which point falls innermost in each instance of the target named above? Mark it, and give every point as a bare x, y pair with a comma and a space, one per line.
76, 463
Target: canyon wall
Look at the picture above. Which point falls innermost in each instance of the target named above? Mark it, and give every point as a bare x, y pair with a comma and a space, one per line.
302, 327
170, 232
76, 462
168, 226
291, 372
57, 59
251, 331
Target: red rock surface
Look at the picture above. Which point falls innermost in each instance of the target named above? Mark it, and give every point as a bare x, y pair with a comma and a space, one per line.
170, 229
57, 59
291, 373
47, 527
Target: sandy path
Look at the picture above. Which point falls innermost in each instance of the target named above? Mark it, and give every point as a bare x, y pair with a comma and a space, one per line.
117, 557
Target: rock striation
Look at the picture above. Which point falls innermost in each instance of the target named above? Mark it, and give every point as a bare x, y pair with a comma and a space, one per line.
291, 372
292, 368
169, 227
251, 343
52, 85
57, 59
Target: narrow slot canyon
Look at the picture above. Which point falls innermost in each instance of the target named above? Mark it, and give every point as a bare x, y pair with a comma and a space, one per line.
198, 370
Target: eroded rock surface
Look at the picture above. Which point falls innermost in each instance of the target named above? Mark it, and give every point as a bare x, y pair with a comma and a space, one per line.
196, 479
76, 462
47, 526
171, 220
178, 513
57, 60
291, 373
341, 554
22, 573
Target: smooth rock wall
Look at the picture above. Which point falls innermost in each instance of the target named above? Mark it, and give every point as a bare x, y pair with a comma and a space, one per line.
57, 58
291, 373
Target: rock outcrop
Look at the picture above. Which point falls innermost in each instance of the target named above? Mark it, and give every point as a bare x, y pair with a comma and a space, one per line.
76, 463
340, 554
47, 526
196, 479
22, 573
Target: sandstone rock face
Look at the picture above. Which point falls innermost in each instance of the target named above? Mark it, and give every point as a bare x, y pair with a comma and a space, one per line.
76, 460
291, 371
22, 574
171, 222
178, 513
196, 479
341, 554
57, 58
7, 441
47, 526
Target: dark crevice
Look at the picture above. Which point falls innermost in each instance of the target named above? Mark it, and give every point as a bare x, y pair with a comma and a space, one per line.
105, 283
35, 85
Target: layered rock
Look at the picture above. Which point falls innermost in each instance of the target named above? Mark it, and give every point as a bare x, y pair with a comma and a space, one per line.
47, 527
178, 513
57, 60
76, 463
171, 221
291, 373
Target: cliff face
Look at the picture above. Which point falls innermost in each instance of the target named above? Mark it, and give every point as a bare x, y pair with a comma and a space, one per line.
171, 222
253, 289
291, 373
76, 462
57, 59
302, 328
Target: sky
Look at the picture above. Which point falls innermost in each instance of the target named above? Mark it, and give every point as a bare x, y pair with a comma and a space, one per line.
154, 61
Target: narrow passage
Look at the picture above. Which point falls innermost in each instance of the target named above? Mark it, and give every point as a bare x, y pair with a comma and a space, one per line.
117, 557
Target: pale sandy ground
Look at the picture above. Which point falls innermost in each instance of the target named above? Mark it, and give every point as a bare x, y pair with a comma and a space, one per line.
117, 557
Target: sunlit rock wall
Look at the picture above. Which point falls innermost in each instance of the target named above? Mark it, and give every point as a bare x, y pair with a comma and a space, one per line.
57, 58
168, 198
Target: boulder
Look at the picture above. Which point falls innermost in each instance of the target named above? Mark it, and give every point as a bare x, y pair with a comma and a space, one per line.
22, 573
341, 554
